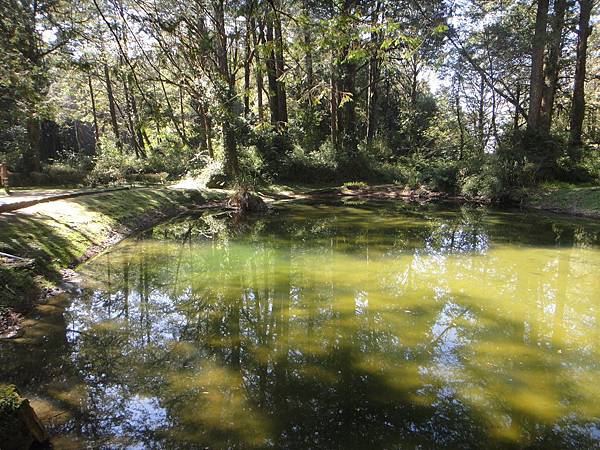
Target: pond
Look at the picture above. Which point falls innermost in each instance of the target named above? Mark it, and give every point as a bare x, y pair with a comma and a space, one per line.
357, 325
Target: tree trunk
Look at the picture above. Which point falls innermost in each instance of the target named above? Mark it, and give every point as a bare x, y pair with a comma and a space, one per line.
334, 106
112, 108
578, 103
207, 131
247, 64
373, 80
308, 55
229, 96
258, 70
536, 81
280, 70
131, 126
272, 75
553, 65
517, 115
94, 113
142, 138
31, 158
481, 116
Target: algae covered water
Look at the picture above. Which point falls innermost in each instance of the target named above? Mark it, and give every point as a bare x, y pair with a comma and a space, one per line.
373, 325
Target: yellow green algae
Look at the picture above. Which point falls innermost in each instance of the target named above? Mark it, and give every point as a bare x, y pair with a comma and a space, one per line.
55, 235
374, 325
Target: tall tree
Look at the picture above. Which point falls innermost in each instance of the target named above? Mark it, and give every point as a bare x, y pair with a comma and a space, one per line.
536, 80
552, 68
578, 104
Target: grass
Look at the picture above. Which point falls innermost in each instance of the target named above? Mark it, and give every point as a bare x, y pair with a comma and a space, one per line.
56, 235
567, 198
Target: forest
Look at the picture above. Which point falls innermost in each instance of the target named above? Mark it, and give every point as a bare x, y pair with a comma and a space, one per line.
476, 97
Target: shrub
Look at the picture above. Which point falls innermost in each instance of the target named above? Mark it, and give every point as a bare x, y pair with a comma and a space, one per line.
113, 165
485, 184
63, 174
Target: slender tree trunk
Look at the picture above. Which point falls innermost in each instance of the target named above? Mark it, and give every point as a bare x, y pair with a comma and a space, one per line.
171, 113
258, 69
578, 103
207, 131
131, 126
308, 55
459, 120
536, 81
280, 70
552, 68
142, 138
247, 63
271, 63
182, 113
373, 80
481, 116
112, 108
517, 115
228, 98
333, 123
348, 122
94, 113
31, 158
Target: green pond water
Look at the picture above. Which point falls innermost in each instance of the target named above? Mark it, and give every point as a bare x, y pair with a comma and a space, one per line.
374, 325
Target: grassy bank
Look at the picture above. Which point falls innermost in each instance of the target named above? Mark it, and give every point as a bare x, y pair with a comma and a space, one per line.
48, 238
567, 199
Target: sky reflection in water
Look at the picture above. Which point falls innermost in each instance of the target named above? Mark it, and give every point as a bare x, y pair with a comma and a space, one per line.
352, 326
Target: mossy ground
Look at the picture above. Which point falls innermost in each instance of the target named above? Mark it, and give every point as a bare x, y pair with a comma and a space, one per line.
58, 234
568, 199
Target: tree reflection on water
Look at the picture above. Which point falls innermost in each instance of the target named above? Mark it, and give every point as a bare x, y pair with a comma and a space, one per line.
321, 326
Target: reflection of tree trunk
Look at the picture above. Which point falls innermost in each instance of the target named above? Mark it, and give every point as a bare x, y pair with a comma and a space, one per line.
562, 284
281, 298
126, 291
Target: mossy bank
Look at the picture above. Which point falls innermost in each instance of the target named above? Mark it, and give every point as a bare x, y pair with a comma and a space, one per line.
573, 200
48, 238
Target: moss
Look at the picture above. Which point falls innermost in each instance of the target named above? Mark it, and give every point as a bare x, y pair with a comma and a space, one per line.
583, 201
58, 234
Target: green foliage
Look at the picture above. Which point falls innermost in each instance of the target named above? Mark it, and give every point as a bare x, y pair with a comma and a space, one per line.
483, 182
591, 163
113, 165
59, 174
10, 400
354, 185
